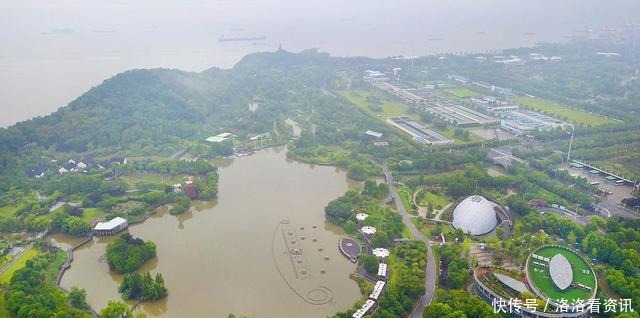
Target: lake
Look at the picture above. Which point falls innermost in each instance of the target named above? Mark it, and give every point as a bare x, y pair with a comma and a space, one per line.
231, 256
53, 51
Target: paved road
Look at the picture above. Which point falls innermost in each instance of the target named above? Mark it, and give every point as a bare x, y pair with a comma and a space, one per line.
618, 210
430, 277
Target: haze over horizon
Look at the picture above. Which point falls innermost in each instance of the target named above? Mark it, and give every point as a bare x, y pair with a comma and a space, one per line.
57, 50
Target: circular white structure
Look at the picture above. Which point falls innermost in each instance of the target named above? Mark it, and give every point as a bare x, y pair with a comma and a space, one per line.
380, 252
368, 230
475, 215
560, 271
361, 216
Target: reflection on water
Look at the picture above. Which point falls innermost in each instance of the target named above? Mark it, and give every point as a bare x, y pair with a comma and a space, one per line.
218, 258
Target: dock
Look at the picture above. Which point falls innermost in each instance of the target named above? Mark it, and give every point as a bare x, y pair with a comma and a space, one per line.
350, 248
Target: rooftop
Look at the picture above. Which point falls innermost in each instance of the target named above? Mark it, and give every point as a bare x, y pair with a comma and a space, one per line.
112, 224
475, 215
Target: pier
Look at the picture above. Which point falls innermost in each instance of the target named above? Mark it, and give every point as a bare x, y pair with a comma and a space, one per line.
350, 248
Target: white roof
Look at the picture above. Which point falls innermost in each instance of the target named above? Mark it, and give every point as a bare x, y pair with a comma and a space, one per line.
373, 133
377, 289
112, 224
368, 230
361, 216
381, 252
475, 215
382, 269
560, 271
512, 282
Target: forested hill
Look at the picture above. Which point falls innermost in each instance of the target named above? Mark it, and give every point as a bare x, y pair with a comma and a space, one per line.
162, 106
137, 105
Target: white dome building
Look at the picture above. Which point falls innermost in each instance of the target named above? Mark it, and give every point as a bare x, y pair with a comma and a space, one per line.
475, 215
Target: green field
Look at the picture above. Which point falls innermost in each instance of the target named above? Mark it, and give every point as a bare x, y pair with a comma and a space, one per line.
450, 133
20, 263
462, 92
8, 210
90, 213
436, 201
562, 111
543, 281
150, 178
389, 108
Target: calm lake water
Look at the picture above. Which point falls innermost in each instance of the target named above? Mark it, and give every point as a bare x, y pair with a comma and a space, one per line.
230, 256
54, 50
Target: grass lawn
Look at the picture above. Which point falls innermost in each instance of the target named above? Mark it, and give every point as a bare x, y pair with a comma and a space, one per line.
90, 213
20, 263
462, 92
325, 155
150, 178
543, 282
554, 109
389, 108
428, 226
8, 210
435, 200
450, 133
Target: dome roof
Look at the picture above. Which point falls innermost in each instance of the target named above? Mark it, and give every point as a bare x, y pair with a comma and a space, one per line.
475, 215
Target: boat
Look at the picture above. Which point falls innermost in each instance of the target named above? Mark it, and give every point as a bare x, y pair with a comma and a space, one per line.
222, 38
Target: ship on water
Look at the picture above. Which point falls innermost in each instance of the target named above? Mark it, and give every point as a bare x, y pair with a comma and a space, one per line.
222, 38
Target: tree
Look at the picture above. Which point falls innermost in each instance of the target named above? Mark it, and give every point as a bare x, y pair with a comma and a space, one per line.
440, 310
380, 239
572, 238
357, 172
78, 298
116, 309
142, 287
338, 210
370, 263
126, 253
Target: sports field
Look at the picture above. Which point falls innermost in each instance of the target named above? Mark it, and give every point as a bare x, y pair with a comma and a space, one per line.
543, 282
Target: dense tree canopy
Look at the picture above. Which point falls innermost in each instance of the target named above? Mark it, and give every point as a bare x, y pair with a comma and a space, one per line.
126, 253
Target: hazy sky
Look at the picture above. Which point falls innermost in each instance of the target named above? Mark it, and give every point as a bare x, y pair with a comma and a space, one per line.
53, 51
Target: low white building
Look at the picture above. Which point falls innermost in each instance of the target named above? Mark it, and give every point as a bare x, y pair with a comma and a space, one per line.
373, 134
111, 227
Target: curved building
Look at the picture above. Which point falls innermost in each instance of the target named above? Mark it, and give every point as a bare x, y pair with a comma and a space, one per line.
475, 215
551, 273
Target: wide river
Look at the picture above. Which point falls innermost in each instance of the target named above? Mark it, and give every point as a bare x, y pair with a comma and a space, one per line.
53, 51
230, 256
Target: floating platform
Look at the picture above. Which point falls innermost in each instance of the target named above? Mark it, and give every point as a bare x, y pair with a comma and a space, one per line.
350, 248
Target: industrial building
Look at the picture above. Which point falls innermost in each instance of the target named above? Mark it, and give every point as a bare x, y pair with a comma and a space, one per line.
419, 132
457, 114
475, 215
494, 105
523, 122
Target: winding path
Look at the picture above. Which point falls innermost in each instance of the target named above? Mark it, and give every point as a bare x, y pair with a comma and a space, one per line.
430, 277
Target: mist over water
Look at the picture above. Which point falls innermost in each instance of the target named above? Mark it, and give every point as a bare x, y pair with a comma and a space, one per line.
53, 51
